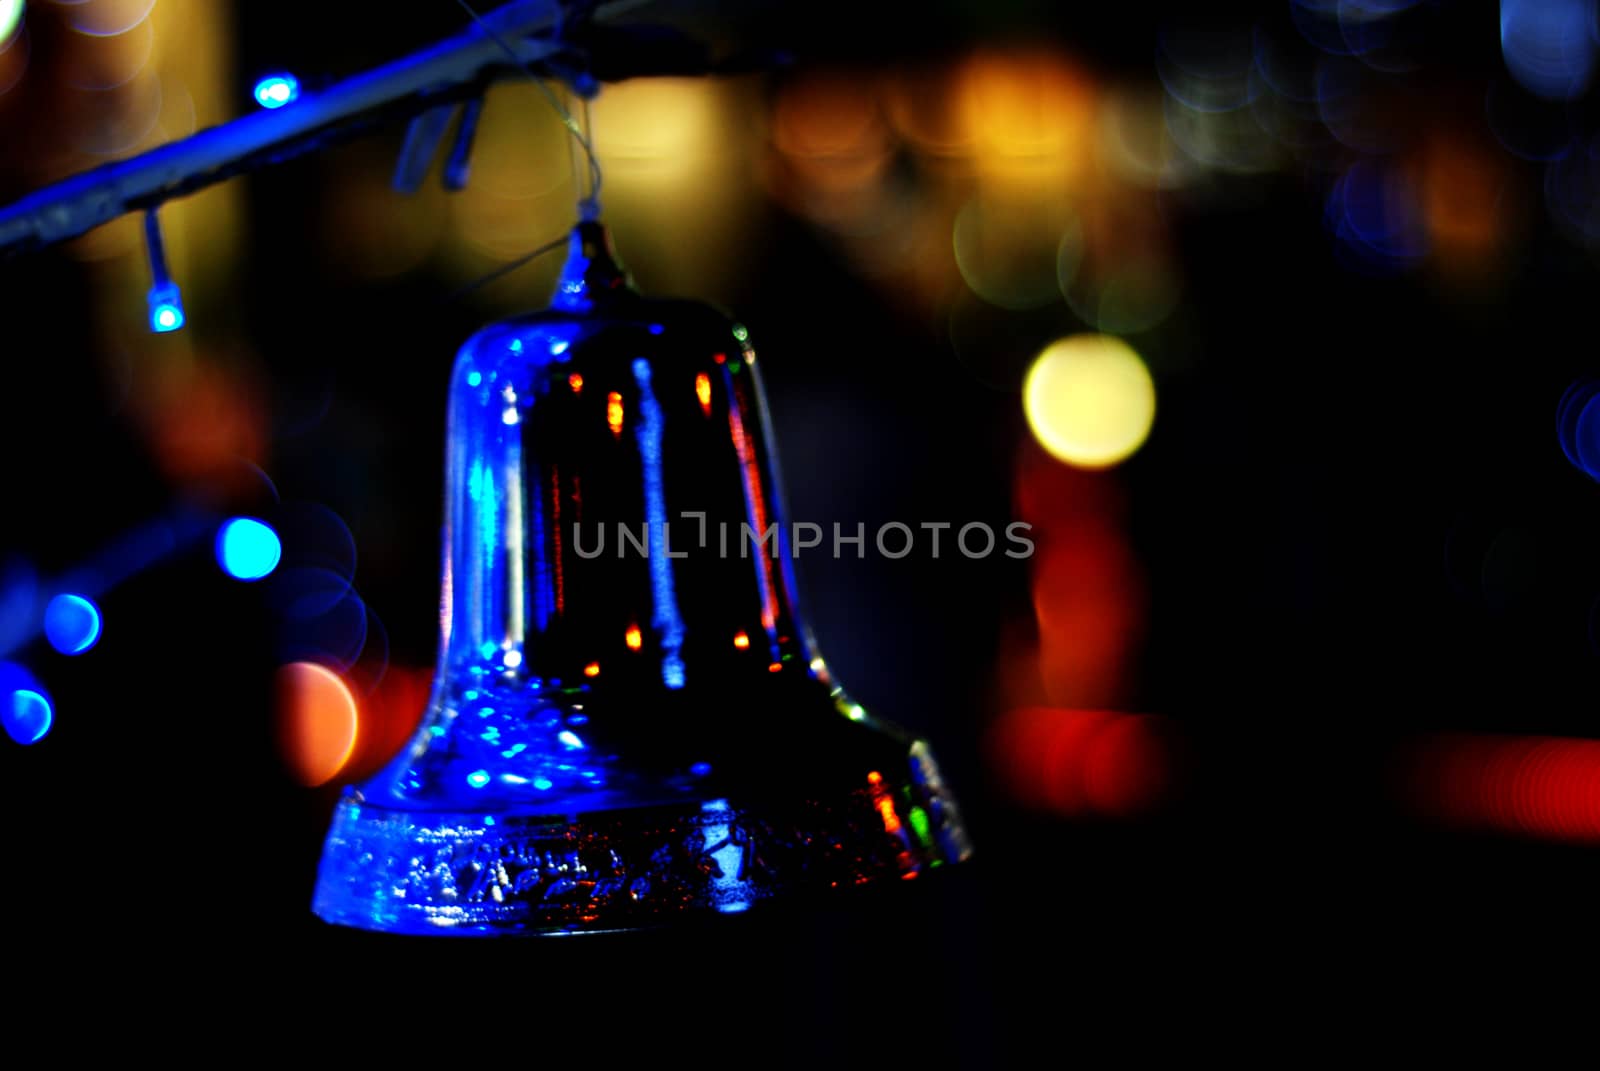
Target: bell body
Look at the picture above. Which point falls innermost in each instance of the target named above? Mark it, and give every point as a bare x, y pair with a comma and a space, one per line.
629, 724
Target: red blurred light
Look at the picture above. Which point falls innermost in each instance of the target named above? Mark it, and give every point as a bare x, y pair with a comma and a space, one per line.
317, 721
1546, 787
1084, 762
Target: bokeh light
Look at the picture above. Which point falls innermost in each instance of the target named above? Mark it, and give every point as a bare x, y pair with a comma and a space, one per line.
1360, 28
26, 712
72, 623
1353, 104
1572, 193
10, 18
1549, 45
1088, 603
1080, 763
831, 134
248, 549
1090, 400
19, 592
1030, 115
1207, 70
1121, 294
321, 618
1537, 786
1578, 426
1527, 126
103, 63
1466, 202
1133, 140
1007, 250
108, 18
1376, 215
14, 56
920, 106
316, 721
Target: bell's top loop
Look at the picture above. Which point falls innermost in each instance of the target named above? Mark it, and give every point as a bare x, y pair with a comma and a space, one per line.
591, 274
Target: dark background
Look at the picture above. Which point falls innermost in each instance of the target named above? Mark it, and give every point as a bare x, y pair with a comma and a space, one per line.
1321, 515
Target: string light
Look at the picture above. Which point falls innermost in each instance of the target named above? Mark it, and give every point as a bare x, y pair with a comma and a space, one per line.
164, 302
276, 90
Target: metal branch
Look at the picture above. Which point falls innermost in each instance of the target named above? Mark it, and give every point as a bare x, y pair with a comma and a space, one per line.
455, 69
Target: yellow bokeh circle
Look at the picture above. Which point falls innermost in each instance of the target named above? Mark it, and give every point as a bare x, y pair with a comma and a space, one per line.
1089, 400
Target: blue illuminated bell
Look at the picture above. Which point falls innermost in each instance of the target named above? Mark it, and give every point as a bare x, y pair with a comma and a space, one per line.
629, 725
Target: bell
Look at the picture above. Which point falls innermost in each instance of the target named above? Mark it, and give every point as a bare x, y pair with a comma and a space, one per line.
629, 724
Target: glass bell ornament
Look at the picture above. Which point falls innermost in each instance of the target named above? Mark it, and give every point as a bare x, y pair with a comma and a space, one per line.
629, 724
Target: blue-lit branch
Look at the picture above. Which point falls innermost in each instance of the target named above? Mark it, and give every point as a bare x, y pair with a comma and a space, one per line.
459, 68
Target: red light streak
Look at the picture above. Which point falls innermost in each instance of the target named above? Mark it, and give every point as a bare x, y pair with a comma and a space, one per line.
755, 504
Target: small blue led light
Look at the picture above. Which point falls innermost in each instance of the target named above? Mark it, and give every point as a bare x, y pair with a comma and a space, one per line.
478, 778
27, 715
569, 739
166, 308
700, 769
248, 549
72, 624
558, 347
543, 784
276, 90
474, 378
488, 819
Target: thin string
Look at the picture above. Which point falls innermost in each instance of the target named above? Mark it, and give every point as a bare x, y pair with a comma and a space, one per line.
588, 202
508, 268
588, 206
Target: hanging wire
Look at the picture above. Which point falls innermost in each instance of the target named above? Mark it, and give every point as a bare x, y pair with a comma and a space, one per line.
507, 268
588, 201
589, 205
